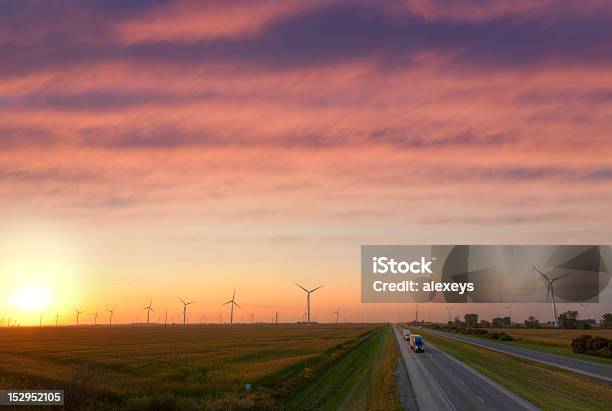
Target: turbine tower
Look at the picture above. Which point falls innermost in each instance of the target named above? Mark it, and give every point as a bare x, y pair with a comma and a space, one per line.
111, 314
449, 309
78, 313
308, 300
276, 314
550, 290
57, 316
40, 320
232, 303
416, 316
95, 316
586, 310
337, 312
509, 309
185, 310
149, 309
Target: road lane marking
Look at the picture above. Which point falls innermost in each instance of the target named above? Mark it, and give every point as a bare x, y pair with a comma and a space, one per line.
481, 400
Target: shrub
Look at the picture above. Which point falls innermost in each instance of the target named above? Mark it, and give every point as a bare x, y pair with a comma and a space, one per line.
506, 337
592, 345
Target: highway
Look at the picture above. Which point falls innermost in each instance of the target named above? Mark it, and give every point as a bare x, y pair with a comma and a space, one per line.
440, 382
591, 369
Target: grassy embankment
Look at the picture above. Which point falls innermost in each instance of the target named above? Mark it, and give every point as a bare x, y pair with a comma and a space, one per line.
548, 387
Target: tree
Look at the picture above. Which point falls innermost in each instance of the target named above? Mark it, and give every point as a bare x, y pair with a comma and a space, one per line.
569, 319
606, 320
471, 320
532, 322
497, 322
484, 324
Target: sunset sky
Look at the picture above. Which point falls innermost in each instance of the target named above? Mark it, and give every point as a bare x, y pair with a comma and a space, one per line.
157, 149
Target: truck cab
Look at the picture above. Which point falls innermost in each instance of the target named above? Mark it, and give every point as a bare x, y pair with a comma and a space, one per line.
416, 343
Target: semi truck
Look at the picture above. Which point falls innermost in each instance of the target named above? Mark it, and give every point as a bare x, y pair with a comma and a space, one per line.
416, 343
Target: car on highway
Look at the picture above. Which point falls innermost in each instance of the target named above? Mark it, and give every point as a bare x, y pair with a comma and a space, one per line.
416, 343
406, 335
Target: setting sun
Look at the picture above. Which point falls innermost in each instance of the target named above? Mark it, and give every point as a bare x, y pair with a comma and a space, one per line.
32, 297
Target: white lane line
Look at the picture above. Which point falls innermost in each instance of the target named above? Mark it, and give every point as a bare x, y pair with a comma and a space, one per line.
481, 400
461, 381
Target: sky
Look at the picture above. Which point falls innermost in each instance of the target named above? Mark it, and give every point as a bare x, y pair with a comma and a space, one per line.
159, 149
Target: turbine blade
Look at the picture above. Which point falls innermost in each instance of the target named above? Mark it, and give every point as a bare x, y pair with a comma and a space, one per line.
229, 302
301, 287
315, 289
236, 304
541, 273
181, 300
234, 295
561, 276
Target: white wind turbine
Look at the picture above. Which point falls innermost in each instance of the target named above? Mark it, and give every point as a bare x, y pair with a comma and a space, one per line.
449, 309
232, 303
111, 313
550, 290
509, 309
308, 292
95, 316
78, 313
337, 312
149, 309
586, 310
185, 309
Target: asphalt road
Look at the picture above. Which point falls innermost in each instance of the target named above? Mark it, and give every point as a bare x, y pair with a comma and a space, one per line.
440, 382
591, 369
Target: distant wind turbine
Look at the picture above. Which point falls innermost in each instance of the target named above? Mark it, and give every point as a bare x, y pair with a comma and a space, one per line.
166, 319
252, 317
185, 310
149, 309
509, 309
232, 303
449, 309
57, 316
416, 316
550, 290
586, 310
95, 316
78, 313
111, 313
276, 314
308, 292
337, 312
40, 320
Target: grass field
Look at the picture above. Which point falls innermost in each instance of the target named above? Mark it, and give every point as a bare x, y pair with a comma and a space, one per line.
548, 387
554, 341
186, 368
551, 336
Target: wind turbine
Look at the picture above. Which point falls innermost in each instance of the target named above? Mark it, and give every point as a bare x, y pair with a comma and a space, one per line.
252, 317
308, 299
78, 313
57, 316
185, 309
586, 309
276, 314
416, 317
149, 309
337, 312
111, 314
232, 303
95, 316
509, 309
449, 309
166, 319
40, 320
550, 289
